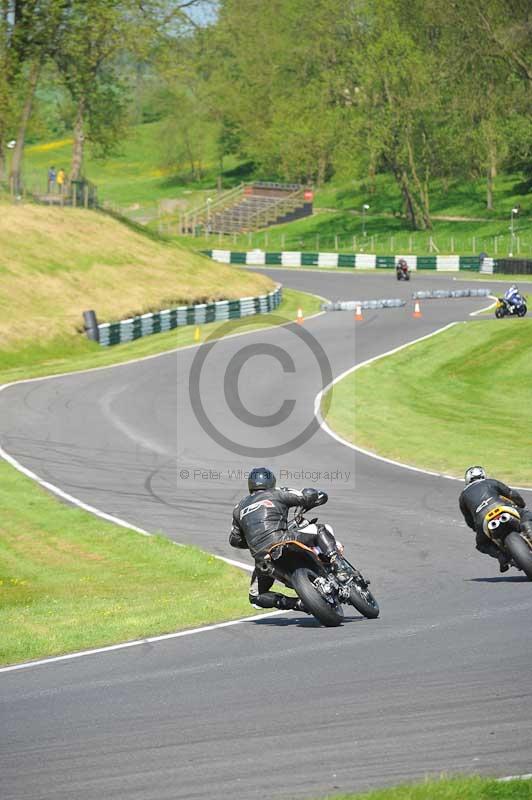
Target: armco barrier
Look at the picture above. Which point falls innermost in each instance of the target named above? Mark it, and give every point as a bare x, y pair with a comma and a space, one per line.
127, 330
292, 258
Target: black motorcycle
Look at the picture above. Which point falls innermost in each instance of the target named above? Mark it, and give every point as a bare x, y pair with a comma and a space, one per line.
307, 571
506, 309
402, 272
502, 525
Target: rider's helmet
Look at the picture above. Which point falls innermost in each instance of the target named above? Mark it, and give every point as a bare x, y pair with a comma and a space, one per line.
261, 478
474, 474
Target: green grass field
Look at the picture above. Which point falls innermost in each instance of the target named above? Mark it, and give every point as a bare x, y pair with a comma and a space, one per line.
475, 788
70, 581
462, 397
341, 231
136, 176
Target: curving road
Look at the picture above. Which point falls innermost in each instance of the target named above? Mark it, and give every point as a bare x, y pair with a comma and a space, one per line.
275, 707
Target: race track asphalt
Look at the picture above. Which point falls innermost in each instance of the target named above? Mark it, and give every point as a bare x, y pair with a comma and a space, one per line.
277, 707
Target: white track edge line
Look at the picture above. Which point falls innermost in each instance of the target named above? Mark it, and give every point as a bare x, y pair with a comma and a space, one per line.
319, 397
487, 308
137, 642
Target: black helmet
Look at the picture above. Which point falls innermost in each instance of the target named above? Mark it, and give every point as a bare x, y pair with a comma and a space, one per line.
261, 478
474, 474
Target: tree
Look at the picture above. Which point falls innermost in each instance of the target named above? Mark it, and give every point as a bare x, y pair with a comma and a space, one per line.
30, 33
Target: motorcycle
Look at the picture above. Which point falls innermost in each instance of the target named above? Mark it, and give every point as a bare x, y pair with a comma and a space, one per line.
503, 308
306, 570
502, 525
402, 272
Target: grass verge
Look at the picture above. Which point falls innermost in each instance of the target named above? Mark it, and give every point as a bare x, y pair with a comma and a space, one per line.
70, 581
55, 263
73, 353
474, 788
328, 231
462, 397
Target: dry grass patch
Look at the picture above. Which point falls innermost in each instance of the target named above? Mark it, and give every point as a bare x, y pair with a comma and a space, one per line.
55, 263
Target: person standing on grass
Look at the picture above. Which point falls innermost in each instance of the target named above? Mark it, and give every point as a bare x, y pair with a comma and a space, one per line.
51, 179
61, 180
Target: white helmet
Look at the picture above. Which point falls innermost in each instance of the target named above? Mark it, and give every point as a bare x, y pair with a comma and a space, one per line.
474, 474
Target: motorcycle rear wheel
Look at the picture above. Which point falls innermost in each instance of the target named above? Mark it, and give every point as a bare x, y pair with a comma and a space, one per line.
313, 600
520, 552
500, 313
364, 602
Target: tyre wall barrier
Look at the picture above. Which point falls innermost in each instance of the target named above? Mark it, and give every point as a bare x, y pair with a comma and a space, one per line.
259, 258
127, 330
438, 293
352, 305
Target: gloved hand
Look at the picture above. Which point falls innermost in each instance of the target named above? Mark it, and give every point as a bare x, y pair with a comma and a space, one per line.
322, 497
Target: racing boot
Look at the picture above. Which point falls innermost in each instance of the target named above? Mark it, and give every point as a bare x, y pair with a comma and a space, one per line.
504, 566
285, 603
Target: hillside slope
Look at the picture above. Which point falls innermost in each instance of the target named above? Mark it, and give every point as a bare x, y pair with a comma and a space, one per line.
55, 263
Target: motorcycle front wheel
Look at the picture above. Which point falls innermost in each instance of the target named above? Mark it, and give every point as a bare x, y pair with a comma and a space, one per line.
303, 580
521, 311
499, 313
362, 599
520, 552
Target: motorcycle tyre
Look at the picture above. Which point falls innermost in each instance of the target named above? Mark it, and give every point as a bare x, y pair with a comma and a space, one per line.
407, 277
367, 606
520, 552
500, 313
313, 600
521, 311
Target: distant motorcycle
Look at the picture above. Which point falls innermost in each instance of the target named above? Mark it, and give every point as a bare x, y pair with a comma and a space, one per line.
402, 272
505, 309
503, 526
309, 573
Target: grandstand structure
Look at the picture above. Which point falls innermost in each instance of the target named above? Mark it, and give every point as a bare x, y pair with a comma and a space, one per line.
249, 207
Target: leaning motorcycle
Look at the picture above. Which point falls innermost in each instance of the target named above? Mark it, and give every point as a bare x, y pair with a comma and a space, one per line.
402, 272
502, 525
306, 570
505, 309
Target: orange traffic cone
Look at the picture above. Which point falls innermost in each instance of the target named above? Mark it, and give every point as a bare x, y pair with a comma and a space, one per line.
358, 312
300, 319
417, 310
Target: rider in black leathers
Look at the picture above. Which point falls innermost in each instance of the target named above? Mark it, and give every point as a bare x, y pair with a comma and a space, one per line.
260, 520
480, 495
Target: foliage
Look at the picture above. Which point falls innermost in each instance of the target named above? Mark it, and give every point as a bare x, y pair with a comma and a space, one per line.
304, 90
